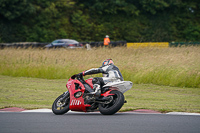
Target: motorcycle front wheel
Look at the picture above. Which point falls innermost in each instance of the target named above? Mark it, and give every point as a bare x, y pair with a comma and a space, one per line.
61, 104
113, 106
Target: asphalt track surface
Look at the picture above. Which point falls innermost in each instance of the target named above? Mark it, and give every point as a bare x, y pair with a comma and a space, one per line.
72, 122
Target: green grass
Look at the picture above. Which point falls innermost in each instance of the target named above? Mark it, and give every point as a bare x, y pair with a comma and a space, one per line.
163, 98
31, 93
179, 67
165, 79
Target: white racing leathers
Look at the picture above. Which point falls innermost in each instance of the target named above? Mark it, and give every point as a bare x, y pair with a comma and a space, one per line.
110, 73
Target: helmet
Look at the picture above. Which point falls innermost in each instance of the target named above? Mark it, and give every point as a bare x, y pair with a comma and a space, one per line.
107, 62
107, 36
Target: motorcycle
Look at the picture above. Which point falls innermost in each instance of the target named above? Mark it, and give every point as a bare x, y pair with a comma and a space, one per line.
78, 97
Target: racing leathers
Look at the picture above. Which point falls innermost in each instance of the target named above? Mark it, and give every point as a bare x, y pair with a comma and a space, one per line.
110, 73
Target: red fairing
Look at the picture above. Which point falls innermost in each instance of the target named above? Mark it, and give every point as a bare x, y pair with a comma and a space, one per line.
76, 104
89, 81
107, 93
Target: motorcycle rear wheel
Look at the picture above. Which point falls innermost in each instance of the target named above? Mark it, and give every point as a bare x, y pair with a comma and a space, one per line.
59, 107
114, 106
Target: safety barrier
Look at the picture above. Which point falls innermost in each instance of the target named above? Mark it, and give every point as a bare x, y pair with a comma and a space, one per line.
23, 45
179, 44
100, 44
148, 44
41, 45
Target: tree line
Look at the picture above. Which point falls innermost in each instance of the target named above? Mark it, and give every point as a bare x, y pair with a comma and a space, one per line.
91, 20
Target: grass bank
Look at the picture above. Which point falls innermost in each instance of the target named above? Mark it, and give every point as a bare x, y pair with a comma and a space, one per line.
31, 93
178, 67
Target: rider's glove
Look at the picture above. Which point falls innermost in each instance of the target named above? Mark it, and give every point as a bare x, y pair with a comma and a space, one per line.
80, 75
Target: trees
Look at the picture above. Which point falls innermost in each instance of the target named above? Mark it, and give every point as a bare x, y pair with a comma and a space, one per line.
91, 20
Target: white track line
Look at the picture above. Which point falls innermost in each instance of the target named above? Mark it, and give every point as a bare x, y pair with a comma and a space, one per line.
182, 113
38, 110
170, 113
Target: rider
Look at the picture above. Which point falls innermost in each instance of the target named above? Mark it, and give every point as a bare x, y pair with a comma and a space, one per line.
110, 73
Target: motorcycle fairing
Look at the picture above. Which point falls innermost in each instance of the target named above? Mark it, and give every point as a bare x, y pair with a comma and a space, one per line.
107, 93
76, 104
89, 81
122, 86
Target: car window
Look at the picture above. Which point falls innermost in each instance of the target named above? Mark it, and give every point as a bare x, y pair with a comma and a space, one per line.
60, 42
56, 41
72, 41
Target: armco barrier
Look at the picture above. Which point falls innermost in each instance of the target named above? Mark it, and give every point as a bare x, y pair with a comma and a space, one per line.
111, 44
23, 45
41, 45
179, 44
148, 44
100, 44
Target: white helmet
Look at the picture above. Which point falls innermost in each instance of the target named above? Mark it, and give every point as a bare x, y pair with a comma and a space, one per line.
107, 36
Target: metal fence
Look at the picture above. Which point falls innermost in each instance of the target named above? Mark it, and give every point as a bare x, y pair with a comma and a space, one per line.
41, 45
100, 44
179, 44
23, 45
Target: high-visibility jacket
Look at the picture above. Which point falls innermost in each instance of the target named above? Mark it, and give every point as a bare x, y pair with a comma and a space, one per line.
106, 41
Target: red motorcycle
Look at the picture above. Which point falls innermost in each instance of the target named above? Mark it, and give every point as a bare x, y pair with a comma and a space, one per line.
78, 97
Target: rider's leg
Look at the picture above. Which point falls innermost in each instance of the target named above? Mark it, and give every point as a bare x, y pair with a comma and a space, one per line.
97, 90
97, 84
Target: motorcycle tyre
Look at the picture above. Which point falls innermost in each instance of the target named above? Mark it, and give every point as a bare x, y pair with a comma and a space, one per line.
114, 108
60, 112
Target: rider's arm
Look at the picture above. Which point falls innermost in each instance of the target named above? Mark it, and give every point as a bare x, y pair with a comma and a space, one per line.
93, 71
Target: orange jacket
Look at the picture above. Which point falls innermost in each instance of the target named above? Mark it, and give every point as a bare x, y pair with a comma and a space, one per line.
106, 41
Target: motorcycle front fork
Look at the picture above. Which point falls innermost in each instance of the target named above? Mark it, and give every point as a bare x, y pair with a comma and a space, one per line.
66, 94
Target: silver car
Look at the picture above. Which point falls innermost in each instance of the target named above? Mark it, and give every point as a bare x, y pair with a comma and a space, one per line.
66, 43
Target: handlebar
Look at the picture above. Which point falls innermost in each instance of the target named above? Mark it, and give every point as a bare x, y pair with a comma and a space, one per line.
73, 77
79, 77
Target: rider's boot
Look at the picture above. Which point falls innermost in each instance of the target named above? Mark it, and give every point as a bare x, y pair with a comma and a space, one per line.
97, 90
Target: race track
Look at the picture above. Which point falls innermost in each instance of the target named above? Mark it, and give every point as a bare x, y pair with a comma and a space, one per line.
72, 122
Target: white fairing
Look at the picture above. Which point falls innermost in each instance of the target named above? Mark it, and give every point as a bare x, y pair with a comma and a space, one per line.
122, 86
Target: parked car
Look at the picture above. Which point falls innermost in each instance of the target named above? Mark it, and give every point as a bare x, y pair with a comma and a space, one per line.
66, 43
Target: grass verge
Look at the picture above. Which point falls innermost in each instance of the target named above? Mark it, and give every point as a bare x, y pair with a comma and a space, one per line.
33, 93
178, 67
